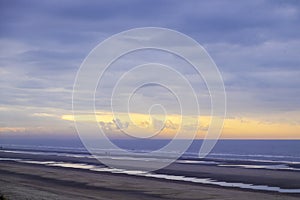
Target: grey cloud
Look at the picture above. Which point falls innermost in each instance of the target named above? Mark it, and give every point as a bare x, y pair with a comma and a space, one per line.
44, 43
106, 126
119, 124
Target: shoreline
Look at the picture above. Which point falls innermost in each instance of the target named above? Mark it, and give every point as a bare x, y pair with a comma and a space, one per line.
284, 179
43, 182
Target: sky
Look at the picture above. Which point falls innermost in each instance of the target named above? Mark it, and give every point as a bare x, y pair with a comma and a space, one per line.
255, 44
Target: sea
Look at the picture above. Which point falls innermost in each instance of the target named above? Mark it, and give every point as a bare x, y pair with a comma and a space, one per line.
252, 154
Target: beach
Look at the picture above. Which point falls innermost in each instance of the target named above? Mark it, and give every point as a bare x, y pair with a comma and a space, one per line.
35, 181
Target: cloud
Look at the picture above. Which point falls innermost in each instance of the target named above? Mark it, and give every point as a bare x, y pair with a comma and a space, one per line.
11, 129
119, 125
44, 115
107, 126
255, 44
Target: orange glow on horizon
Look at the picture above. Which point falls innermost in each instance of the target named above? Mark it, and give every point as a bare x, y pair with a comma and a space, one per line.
234, 128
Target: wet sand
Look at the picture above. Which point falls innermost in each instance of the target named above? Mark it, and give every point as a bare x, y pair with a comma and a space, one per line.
31, 181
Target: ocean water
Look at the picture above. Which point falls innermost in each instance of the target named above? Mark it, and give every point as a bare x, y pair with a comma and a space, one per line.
260, 150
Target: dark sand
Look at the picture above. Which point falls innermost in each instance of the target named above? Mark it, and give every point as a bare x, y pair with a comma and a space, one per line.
30, 181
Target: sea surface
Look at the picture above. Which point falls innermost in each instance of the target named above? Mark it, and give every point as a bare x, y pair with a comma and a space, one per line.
261, 150
255, 154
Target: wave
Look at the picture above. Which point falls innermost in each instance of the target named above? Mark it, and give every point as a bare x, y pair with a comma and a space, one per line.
274, 167
254, 155
222, 162
187, 154
42, 147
